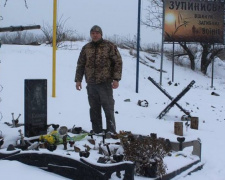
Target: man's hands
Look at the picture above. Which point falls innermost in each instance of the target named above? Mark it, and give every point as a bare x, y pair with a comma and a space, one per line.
78, 86
115, 84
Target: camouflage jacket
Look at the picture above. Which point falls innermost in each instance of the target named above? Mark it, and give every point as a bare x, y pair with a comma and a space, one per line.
99, 62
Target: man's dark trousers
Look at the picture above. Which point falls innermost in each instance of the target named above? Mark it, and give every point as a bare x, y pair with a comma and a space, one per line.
101, 95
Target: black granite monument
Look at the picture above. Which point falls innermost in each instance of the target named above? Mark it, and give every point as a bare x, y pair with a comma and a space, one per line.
35, 107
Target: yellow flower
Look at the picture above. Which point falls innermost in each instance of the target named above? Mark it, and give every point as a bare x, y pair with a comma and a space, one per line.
48, 138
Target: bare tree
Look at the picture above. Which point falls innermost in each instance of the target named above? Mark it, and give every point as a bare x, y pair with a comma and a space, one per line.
19, 37
190, 54
154, 14
208, 54
62, 33
25, 1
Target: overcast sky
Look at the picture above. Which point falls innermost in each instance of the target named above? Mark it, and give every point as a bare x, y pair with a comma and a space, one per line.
117, 17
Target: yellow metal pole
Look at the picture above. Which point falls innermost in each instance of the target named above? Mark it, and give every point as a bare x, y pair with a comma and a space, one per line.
54, 49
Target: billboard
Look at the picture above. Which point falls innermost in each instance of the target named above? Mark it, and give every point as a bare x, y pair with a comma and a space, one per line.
193, 21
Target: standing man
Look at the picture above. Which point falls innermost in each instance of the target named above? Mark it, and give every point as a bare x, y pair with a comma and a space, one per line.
101, 63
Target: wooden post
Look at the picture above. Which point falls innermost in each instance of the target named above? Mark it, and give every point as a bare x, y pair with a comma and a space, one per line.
178, 128
194, 123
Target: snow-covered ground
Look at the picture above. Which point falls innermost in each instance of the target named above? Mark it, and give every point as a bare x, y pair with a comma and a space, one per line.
70, 107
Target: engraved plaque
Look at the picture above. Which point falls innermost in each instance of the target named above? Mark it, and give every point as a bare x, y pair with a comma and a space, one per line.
35, 107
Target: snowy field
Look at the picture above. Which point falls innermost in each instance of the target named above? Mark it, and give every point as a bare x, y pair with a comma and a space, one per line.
70, 107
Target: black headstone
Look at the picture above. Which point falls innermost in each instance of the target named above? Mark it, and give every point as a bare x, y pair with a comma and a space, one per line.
35, 107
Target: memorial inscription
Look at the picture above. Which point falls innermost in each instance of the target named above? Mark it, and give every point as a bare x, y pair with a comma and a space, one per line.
35, 107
